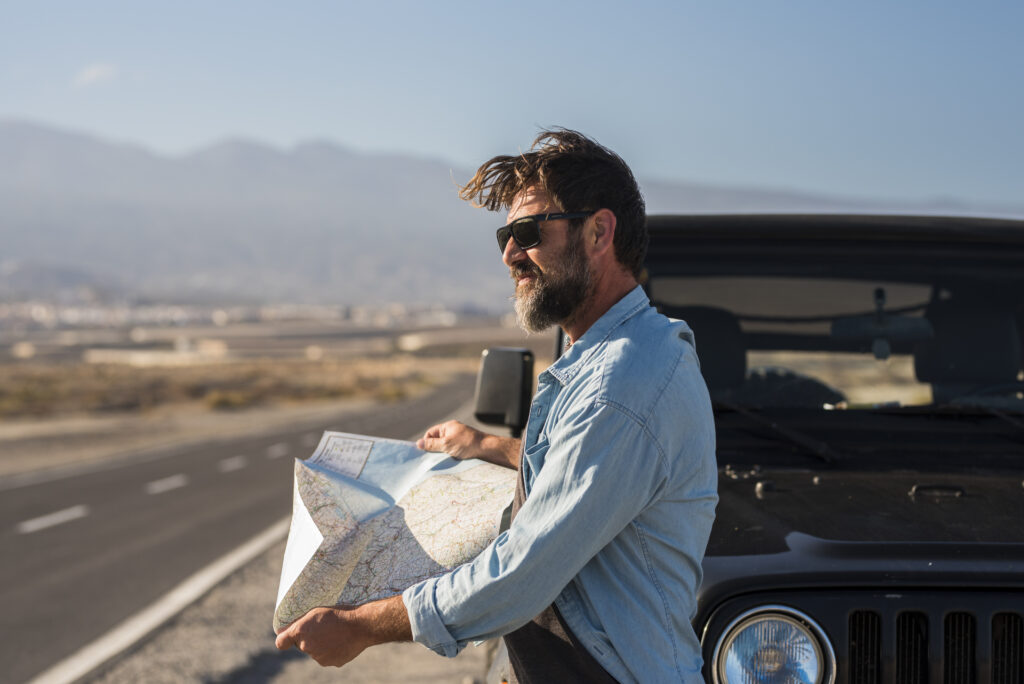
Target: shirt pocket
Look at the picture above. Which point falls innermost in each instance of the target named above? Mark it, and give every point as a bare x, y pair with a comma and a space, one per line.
533, 459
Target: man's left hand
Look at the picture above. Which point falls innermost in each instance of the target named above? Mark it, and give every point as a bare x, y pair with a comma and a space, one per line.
330, 636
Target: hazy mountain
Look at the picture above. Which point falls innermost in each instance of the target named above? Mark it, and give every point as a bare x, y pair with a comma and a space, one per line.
244, 221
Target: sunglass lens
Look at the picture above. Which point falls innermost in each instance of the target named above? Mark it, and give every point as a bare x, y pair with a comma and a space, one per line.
526, 233
504, 235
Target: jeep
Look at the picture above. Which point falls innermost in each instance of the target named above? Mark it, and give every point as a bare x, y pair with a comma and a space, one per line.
866, 378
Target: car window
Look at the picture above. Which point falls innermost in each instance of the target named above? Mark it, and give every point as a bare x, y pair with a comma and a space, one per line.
844, 343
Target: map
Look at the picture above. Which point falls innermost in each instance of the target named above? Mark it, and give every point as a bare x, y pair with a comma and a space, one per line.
373, 516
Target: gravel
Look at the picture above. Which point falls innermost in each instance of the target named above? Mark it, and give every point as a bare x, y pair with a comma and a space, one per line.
226, 638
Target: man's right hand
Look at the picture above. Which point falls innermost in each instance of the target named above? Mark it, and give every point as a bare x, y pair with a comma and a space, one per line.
461, 442
456, 439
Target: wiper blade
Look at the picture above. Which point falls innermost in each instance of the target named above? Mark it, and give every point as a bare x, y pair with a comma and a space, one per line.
958, 409
995, 413
1006, 417
817, 447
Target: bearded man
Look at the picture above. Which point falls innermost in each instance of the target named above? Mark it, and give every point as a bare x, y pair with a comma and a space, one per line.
595, 579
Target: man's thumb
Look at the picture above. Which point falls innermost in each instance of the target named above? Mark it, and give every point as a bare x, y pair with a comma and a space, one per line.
285, 640
429, 444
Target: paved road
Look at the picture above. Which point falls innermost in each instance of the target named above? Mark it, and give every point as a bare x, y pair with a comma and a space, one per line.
80, 554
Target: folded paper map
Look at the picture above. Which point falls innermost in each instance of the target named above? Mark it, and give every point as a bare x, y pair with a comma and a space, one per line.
373, 516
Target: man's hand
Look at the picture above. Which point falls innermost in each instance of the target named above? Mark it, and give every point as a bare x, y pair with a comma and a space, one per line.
462, 442
330, 636
456, 439
334, 636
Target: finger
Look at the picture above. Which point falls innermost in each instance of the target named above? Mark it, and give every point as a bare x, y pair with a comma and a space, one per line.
427, 438
285, 640
429, 444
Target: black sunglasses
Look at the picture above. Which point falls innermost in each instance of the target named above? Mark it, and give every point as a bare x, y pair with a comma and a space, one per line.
525, 230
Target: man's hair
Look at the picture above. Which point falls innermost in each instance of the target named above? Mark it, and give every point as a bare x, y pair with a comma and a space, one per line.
577, 174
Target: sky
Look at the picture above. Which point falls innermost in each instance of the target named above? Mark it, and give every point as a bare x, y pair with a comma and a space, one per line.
894, 99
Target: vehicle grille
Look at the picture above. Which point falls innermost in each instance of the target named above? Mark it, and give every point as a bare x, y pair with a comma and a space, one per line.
907, 637
1007, 648
919, 642
865, 647
912, 647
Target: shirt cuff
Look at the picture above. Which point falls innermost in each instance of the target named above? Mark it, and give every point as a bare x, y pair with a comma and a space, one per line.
427, 627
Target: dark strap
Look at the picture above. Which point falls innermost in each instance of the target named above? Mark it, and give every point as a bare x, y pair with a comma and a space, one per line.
545, 649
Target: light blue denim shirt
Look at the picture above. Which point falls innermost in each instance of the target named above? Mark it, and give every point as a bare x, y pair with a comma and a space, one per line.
621, 482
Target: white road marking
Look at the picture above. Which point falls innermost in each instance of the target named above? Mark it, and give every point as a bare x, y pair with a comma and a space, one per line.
166, 484
278, 450
231, 464
51, 519
129, 632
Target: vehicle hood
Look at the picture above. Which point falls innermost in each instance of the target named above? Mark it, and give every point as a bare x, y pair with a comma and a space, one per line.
759, 508
805, 529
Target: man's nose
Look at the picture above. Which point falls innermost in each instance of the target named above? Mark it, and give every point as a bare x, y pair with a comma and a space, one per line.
513, 253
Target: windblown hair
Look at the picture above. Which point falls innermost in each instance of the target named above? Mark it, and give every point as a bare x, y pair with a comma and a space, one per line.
577, 174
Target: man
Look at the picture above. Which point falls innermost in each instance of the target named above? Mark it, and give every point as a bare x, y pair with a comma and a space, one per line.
595, 579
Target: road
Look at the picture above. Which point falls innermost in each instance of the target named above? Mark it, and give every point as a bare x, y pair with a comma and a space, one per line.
80, 554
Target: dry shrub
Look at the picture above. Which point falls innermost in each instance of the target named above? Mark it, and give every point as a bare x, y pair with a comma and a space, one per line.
37, 389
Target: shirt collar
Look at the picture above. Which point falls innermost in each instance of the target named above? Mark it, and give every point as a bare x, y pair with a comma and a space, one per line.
575, 357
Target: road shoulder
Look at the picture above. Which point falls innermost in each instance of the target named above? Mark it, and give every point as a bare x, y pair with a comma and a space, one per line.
226, 637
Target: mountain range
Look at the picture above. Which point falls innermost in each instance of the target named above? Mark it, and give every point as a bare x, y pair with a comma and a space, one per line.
240, 221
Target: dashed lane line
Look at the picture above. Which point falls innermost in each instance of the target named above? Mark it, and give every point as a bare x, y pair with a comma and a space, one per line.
232, 464
132, 630
90, 657
278, 450
52, 519
166, 484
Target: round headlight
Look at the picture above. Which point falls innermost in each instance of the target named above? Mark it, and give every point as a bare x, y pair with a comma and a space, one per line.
773, 645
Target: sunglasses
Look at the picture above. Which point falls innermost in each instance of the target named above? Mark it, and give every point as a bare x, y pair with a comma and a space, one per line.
526, 229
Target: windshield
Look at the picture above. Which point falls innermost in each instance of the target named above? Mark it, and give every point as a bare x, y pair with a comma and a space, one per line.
851, 344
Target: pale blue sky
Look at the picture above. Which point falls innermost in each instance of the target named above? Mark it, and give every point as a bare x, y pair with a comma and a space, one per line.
907, 99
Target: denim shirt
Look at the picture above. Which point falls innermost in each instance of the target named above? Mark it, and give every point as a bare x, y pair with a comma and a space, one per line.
621, 484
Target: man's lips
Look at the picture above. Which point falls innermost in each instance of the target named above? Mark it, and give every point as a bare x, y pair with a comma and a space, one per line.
524, 275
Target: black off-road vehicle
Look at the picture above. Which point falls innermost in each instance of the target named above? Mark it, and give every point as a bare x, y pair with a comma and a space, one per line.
866, 373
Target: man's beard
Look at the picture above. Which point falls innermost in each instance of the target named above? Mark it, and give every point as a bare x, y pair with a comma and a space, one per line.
556, 296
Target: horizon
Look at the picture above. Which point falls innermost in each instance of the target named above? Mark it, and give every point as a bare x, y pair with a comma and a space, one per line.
911, 102
996, 209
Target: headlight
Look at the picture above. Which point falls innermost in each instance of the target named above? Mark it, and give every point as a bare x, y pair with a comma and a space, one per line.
773, 645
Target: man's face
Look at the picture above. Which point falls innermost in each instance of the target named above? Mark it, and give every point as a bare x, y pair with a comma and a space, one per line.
552, 279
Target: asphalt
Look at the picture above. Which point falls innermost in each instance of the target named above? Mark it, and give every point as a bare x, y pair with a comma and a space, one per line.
225, 638
126, 532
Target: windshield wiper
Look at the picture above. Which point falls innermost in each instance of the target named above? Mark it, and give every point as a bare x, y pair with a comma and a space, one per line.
995, 413
957, 408
1006, 417
815, 446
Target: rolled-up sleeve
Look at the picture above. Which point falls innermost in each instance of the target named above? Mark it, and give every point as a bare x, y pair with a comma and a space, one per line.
601, 468
427, 627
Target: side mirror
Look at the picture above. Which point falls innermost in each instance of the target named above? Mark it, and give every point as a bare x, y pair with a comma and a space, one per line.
504, 387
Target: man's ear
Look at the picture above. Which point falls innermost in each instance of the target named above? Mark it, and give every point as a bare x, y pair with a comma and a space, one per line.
602, 233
